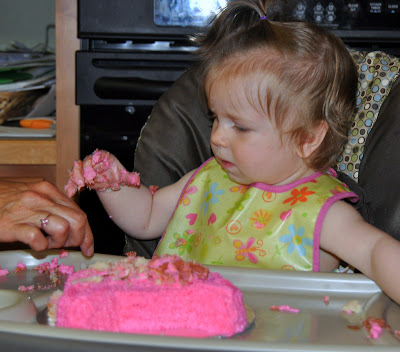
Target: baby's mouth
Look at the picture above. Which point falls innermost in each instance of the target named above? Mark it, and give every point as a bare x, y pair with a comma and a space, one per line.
226, 164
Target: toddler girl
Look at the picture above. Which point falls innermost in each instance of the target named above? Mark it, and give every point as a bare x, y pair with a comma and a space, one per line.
281, 96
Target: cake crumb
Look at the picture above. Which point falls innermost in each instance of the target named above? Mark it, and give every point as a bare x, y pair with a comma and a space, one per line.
352, 307
23, 288
326, 300
153, 189
375, 327
20, 267
375, 331
63, 253
285, 308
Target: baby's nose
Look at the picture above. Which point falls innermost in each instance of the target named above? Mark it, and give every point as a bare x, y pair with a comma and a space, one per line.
218, 137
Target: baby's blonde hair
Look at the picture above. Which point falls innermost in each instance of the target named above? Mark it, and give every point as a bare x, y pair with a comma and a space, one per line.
299, 66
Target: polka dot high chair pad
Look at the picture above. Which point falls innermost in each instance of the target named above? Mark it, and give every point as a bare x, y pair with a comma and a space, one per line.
377, 73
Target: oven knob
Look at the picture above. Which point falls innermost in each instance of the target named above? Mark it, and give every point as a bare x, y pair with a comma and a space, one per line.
318, 18
300, 11
318, 13
130, 109
330, 10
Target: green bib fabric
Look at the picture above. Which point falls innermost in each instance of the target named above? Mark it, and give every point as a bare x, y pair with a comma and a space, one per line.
220, 222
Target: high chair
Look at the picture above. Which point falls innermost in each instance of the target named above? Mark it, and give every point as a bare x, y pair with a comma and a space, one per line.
176, 138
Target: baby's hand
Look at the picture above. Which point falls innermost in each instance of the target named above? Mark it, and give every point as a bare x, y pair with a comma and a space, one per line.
100, 171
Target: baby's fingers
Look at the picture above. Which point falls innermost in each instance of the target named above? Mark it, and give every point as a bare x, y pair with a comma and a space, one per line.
76, 179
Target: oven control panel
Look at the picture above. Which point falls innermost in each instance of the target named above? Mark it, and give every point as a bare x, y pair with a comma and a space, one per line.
137, 19
350, 14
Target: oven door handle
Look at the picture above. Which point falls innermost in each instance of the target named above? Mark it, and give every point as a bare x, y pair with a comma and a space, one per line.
130, 88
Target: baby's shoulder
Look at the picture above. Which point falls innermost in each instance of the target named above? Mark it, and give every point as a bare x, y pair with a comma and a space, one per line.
341, 221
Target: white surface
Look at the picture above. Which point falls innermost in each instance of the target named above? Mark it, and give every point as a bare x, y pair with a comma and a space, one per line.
15, 306
20, 132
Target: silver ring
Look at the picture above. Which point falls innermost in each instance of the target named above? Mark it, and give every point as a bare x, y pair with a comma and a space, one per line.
44, 222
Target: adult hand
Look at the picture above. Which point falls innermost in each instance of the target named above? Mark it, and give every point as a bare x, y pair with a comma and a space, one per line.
39, 215
100, 171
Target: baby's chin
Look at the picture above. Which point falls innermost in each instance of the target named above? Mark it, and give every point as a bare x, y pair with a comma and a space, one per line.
237, 179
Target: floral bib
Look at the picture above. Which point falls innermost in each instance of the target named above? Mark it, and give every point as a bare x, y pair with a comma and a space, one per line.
220, 222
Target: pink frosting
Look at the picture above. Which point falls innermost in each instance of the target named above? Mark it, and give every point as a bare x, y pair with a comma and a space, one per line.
100, 171
375, 331
162, 296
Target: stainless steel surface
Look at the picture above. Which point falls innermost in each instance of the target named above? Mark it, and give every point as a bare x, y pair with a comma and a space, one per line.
318, 326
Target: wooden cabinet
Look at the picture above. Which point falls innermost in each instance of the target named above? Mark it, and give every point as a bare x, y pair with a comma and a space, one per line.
51, 158
68, 125
28, 158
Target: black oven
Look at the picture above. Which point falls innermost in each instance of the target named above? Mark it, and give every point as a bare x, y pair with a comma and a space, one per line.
133, 50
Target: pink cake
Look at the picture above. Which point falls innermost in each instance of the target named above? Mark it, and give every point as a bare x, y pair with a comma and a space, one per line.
159, 296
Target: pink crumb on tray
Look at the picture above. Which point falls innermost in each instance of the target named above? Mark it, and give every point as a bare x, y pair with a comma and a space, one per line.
285, 308
3, 272
66, 269
63, 253
326, 300
20, 267
375, 331
26, 288
375, 327
53, 269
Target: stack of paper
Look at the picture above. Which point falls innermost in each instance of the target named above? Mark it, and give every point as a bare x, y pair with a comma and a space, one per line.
21, 71
33, 75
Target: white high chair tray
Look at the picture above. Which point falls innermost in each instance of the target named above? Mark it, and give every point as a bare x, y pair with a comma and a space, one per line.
317, 327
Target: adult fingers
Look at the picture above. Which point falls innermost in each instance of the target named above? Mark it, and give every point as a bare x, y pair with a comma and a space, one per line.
87, 246
68, 233
51, 192
30, 235
69, 226
58, 230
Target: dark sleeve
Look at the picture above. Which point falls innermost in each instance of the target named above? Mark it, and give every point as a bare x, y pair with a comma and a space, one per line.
363, 204
174, 141
176, 137
380, 166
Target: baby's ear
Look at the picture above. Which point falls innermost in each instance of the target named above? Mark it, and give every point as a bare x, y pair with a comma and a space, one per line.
314, 139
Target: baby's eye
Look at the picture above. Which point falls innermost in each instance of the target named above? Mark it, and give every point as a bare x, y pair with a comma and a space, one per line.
240, 128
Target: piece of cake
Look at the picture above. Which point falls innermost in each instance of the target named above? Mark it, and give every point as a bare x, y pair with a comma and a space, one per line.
164, 295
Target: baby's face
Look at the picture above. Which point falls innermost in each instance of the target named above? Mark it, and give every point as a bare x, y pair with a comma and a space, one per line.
245, 140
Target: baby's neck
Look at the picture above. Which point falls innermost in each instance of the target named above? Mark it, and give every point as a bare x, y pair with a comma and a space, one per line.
297, 175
